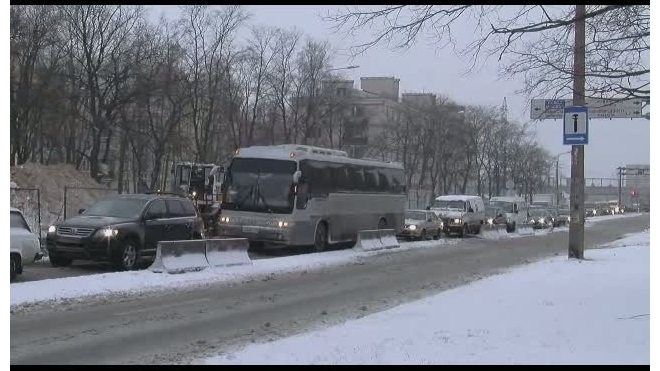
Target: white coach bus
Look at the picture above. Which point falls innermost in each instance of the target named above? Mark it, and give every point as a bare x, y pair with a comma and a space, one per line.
294, 195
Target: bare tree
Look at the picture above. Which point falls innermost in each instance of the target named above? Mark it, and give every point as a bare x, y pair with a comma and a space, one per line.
34, 58
208, 35
312, 64
532, 39
281, 79
98, 37
163, 97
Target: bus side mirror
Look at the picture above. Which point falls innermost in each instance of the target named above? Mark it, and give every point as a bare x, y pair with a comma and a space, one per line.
296, 176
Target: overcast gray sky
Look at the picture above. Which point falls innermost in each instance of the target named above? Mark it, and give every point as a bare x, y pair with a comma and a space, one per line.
423, 68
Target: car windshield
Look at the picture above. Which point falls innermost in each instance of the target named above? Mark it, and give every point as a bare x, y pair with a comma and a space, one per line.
119, 208
449, 205
492, 212
506, 206
16, 221
259, 185
415, 215
198, 179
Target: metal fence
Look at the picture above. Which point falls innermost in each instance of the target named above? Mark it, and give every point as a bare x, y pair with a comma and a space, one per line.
28, 200
76, 198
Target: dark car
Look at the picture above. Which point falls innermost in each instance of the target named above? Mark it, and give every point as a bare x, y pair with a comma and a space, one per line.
564, 217
123, 230
495, 215
540, 218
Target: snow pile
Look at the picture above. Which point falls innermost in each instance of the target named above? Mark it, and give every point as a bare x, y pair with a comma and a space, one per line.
145, 280
602, 218
51, 180
590, 312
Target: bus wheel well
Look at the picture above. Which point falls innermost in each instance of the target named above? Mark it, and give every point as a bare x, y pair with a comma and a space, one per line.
382, 223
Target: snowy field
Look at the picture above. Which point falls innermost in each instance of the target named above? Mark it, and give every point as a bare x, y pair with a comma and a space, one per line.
556, 311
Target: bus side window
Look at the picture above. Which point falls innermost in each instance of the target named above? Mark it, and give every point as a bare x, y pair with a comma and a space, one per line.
397, 183
383, 181
356, 178
343, 184
371, 179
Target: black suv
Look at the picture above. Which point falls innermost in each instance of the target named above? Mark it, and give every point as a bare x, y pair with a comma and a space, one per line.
123, 230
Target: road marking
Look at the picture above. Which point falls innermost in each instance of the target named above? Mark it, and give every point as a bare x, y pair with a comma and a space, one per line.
160, 307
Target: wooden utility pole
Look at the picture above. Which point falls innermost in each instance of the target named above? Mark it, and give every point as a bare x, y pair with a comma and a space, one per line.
576, 228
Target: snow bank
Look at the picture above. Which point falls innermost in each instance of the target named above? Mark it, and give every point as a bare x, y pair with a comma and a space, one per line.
602, 218
552, 312
143, 281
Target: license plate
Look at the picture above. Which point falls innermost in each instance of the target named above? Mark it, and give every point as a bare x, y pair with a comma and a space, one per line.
248, 229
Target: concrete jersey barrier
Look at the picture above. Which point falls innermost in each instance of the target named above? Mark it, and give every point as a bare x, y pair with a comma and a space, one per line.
368, 240
493, 232
525, 229
180, 256
376, 239
195, 255
388, 238
226, 252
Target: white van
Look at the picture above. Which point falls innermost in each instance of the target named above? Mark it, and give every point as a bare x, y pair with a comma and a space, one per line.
460, 214
516, 209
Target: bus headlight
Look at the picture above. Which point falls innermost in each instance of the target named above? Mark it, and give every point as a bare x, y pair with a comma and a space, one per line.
541, 220
412, 227
457, 221
224, 219
282, 224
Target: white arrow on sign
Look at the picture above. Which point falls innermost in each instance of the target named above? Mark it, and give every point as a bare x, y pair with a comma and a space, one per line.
575, 139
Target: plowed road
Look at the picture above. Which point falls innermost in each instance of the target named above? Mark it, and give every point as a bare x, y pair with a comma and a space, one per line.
184, 325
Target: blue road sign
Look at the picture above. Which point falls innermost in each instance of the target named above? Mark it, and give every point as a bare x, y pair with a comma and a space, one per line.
576, 126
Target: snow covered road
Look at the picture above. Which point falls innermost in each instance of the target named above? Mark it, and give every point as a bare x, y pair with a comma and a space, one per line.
515, 318
192, 322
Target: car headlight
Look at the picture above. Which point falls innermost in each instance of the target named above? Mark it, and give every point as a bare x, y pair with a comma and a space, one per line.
107, 232
593, 211
569, 219
412, 227
224, 219
282, 224
457, 221
542, 220
52, 229
490, 221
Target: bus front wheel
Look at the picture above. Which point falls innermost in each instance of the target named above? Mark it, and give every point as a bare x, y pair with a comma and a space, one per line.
321, 237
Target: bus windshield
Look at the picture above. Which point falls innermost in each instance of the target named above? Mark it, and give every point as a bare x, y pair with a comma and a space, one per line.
450, 205
259, 185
